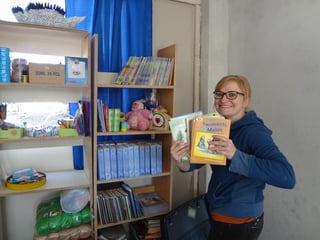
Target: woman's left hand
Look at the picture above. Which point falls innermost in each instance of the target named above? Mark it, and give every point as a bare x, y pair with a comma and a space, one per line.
222, 145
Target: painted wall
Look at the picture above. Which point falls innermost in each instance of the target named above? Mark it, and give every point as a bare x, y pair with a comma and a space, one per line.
178, 27
275, 43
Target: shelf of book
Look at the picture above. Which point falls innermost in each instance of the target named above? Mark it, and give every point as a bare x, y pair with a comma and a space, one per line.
161, 180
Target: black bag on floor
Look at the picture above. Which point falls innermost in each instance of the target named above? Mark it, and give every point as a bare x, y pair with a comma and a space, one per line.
189, 221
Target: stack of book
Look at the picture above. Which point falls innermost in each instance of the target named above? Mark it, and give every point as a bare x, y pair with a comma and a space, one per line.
146, 229
197, 130
117, 203
180, 128
108, 118
151, 203
113, 233
146, 71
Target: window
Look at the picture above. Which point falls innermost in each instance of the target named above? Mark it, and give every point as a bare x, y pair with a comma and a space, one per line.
32, 113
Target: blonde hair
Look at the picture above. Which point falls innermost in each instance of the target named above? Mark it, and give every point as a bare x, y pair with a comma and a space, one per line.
241, 81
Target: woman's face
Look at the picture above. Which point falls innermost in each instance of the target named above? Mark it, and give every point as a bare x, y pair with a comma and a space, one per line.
231, 109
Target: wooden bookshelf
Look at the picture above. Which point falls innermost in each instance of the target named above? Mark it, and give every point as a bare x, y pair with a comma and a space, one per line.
162, 182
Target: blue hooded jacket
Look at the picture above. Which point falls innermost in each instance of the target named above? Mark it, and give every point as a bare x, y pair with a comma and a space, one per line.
236, 190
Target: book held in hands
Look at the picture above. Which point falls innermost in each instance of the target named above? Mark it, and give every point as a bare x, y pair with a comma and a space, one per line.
179, 127
204, 129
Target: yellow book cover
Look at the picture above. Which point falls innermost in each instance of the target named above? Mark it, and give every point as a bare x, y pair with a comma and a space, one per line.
204, 129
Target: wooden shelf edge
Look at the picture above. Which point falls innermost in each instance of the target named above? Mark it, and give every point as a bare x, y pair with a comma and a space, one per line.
134, 86
99, 226
41, 85
164, 174
132, 132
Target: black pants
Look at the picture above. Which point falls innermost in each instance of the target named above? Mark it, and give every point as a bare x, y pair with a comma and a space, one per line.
246, 231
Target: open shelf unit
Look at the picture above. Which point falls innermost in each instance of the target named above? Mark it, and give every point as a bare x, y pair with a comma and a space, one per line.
162, 182
50, 41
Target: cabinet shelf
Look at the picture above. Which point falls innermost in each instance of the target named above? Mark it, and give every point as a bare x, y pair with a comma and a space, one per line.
56, 181
40, 85
131, 220
45, 40
38, 142
134, 86
132, 132
163, 174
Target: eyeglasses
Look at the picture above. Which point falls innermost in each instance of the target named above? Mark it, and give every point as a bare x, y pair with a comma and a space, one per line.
231, 95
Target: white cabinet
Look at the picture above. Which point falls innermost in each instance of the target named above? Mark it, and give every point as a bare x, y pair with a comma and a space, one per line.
53, 155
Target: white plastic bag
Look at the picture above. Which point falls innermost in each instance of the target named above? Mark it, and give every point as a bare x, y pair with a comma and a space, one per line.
74, 200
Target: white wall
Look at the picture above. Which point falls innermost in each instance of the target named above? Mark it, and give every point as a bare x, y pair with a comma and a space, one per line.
178, 27
275, 43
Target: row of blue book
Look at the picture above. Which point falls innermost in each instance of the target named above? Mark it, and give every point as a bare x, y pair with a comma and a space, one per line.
117, 203
128, 159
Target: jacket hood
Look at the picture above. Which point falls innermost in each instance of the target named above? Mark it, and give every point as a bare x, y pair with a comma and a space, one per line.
250, 118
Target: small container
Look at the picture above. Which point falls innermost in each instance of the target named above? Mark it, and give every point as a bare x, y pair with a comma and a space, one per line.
124, 126
24, 76
18, 65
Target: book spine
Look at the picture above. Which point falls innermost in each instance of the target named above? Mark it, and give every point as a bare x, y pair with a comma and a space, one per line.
147, 159
101, 167
109, 204
153, 158
131, 160
120, 161
111, 119
113, 162
139, 70
142, 160
116, 127
159, 157
134, 69
119, 80
136, 160
101, 115
107, 163
143, 78
128, 190
125, 162
106, 116
101, 209
168, 72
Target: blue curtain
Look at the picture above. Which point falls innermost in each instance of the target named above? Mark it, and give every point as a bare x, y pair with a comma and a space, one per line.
124, 29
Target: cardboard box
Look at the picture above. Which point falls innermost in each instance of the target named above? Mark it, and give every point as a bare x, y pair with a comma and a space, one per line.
11, 133
46, 73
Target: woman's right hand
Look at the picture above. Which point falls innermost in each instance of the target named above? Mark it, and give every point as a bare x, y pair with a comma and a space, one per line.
178, 150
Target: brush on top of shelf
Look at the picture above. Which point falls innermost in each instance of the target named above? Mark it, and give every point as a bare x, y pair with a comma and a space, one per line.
45, 14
